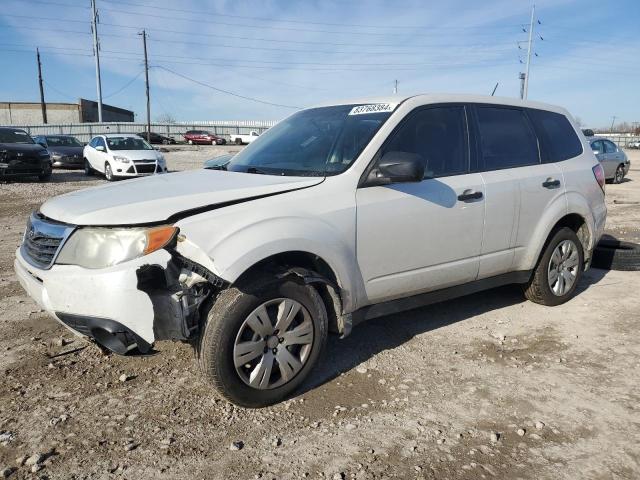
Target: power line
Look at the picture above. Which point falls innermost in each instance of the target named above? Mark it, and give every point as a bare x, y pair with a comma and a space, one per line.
125, 86
226, 91
300, 22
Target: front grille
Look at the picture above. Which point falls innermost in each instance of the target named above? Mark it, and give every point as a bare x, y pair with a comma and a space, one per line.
43, 240
136, 162
145, 168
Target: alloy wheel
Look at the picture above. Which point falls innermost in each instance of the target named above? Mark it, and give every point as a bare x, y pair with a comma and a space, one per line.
563, 267
273, 344
619, 175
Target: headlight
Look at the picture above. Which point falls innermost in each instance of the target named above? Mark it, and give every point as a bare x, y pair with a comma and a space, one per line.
121, 159
56, 156
99, 247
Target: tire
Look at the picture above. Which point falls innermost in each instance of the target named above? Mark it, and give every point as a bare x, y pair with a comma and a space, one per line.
88, 171
619, 175
213, 142
45, 177
226, 326
613, 254
539, 289
190, 142
108, 172
166, 141
238, 141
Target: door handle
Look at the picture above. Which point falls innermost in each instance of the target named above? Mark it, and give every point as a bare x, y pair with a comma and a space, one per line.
469, 195
551, 183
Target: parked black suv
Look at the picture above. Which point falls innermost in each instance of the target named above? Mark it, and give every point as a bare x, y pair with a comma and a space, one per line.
157, 138
20, 156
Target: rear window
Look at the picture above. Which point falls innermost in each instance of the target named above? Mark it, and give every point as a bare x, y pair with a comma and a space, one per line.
559, 137
507, 138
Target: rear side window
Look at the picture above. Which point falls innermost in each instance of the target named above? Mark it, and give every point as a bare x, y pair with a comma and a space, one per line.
609, 147
507, 138
439, 136
558, 136
597, 146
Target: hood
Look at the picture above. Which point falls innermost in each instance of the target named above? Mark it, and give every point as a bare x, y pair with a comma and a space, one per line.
136, 154
28, 148
166, 196
66, 151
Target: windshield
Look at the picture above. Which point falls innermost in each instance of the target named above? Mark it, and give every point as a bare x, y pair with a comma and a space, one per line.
314, 142
127, 143
63, 142
15, 136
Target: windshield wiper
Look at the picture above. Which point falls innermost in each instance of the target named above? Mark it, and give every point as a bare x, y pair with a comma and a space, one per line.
257, 170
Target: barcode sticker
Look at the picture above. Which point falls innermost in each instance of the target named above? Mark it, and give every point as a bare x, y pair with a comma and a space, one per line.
373, 108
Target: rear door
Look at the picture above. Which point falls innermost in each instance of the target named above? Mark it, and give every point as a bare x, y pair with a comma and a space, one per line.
520, 186
417, 237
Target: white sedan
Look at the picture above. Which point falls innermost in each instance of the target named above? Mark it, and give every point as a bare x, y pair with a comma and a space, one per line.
122, 155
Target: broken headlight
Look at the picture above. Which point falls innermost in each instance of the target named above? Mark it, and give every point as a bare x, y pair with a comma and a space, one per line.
99, 247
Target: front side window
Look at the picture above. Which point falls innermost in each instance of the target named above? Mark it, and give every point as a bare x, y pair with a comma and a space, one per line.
560, 139
127, 143
609, 147
438, 135
14, 136
507, 139
314, 142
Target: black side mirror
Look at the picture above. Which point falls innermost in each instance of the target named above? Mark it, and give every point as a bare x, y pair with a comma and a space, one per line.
397, 167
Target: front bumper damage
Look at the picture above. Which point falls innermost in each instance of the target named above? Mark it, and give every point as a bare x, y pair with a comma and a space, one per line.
128, 306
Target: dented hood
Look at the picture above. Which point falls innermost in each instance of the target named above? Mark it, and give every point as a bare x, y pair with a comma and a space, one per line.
166, 196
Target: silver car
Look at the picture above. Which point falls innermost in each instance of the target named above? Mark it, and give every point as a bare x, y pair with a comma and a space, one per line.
612, 158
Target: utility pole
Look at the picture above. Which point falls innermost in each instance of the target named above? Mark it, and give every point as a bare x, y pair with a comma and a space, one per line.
395, 88
526, 77
96, 51
521, 76
42, 104
146, 77
613, 119
494, 89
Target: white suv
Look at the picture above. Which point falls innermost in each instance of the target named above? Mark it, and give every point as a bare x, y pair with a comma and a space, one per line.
336, 215
122, 155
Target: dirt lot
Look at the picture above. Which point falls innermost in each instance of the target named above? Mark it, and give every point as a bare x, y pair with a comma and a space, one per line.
417, 395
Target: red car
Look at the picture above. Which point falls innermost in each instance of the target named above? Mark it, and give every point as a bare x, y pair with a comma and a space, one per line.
203, 137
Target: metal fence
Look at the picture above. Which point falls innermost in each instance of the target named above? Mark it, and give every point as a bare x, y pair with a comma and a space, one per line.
622, 140
84, 131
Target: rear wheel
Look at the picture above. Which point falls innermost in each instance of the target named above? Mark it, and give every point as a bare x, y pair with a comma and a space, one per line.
238, 141
190, 142
558, 271
108, 173
88, 171
619, 176
260, 342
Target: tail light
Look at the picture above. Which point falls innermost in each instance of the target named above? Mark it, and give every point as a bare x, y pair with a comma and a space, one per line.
598, 172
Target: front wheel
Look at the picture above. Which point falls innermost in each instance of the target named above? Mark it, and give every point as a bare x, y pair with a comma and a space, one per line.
558, 271
260, 342
45, 176
238, 141
619, 176
108, 173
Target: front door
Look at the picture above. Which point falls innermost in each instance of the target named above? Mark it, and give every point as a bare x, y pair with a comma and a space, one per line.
417, 237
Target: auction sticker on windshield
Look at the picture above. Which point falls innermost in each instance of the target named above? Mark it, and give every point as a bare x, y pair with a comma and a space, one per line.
373, 108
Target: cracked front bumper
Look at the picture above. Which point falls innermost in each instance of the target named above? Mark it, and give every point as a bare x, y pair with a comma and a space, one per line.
72, 292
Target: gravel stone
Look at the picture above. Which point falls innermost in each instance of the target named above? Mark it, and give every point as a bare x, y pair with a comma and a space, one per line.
6, 472
238, 445
539, 425
521, 432
495, 436
34, 459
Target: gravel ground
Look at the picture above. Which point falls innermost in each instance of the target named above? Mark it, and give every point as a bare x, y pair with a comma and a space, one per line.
487, 386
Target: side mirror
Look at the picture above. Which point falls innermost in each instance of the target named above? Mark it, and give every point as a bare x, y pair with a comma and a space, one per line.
397, 167
100, 148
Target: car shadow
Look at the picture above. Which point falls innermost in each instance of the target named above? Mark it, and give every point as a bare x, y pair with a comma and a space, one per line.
389, 332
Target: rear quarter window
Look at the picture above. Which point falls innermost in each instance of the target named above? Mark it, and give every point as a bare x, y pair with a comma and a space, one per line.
557, 135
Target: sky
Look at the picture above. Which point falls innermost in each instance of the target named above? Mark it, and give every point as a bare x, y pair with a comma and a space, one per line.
262, 59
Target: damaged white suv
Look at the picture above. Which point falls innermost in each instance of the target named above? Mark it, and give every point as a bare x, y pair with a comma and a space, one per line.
337, 214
